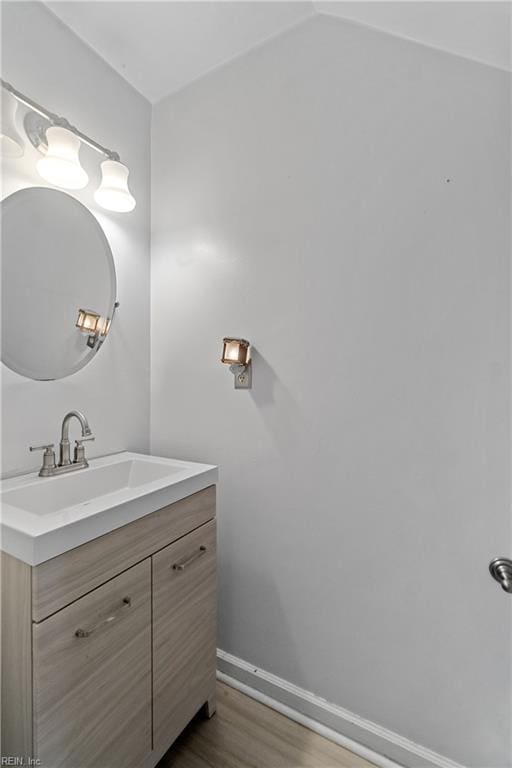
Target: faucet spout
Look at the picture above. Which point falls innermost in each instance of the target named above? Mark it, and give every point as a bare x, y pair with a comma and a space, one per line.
65, 455
84, 424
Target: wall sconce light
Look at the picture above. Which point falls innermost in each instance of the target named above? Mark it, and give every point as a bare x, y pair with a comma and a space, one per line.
60, 143
236, 354
95, 326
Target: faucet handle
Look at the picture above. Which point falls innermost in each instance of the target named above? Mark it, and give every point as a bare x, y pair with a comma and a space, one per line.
48, 458
79, 454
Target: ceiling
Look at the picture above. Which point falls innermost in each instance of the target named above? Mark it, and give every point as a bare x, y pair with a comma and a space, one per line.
161, 46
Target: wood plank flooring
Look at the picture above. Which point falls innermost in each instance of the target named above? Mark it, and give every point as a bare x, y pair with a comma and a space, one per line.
247, 734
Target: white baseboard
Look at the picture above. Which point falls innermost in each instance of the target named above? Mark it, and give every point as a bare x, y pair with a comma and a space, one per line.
370, 741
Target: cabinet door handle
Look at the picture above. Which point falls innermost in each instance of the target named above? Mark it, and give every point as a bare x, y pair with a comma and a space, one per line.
181, 566
127, 601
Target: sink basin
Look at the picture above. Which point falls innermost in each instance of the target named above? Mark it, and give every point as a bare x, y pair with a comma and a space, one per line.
44, 517
82, 487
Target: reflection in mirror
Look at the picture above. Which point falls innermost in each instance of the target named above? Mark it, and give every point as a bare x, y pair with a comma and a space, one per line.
58, 284
95, 326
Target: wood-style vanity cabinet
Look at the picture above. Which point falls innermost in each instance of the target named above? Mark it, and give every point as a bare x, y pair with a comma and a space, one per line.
184, 630
109, 650
92, 677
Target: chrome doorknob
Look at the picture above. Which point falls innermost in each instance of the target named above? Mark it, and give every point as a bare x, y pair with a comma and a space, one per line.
501, 570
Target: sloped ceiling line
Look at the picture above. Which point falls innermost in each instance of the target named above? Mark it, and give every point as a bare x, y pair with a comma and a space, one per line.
161, 47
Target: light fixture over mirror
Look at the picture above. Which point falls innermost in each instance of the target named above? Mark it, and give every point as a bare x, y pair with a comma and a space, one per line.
113, 193
61, 164
11, 143
60, 143
236, 354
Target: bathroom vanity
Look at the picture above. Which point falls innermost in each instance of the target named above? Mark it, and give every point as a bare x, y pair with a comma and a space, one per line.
108, 566
108, 611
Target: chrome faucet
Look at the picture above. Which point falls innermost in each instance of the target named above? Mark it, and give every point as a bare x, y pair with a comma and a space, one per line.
65, 464
65, 459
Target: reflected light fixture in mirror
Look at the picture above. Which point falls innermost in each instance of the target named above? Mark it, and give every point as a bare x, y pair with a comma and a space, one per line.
113, 193
61, 164
236, 354
11, 143
94, 325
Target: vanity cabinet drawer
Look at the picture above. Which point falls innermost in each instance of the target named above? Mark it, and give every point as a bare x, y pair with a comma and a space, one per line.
92, 677
64, 578
184, 631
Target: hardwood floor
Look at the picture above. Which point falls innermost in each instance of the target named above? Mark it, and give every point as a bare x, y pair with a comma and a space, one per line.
247, 734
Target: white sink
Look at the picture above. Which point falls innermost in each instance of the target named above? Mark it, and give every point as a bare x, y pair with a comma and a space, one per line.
43, 517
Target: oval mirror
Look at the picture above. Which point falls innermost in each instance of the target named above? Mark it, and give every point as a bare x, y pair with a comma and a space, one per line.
57, 271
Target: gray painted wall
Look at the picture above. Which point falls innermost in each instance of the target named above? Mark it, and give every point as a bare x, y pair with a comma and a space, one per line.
41, 57
340, 197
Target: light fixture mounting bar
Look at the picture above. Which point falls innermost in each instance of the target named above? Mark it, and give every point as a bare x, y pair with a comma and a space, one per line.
59, 121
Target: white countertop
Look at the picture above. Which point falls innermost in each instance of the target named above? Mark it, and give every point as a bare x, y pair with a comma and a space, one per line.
42, 517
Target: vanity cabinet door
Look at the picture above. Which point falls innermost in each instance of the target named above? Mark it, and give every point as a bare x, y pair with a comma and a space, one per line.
92, 677
184, 631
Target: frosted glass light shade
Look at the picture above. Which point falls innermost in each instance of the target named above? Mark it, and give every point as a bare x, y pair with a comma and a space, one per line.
11, 143
89, 321
235, 351
61, 165
113, 193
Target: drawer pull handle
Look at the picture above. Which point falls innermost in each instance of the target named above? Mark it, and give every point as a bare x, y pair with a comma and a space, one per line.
183, 565
127, 601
